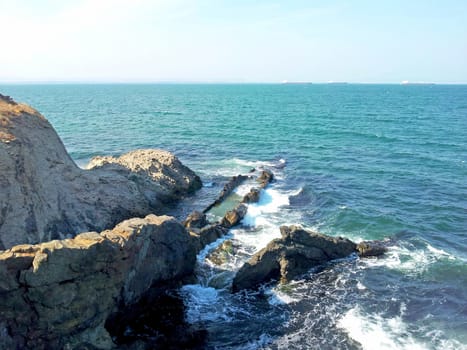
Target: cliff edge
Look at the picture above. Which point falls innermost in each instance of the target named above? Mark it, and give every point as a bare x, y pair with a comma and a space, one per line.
45, 196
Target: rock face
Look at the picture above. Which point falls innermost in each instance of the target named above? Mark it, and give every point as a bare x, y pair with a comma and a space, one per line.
45, 196
290, 256
59, 294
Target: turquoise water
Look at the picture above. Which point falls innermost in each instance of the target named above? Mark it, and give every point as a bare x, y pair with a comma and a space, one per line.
363, 161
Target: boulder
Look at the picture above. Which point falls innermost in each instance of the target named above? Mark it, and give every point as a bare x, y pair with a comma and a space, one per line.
265, 178
252, 196
371, 248
234, 216
196, 220
290, 256
59, 294
207, 234
45, 196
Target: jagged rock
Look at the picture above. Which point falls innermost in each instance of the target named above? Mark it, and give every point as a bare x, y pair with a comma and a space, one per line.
222, 253
265, 178
371, 248
196, 220
233, 217
234, 182
290, 256
45, 196
207, 234
252, 196
59, 294
228, 250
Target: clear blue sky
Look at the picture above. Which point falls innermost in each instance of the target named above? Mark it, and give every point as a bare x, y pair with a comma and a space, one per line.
233, 41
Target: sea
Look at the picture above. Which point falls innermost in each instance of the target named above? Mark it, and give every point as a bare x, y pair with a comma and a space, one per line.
366, 162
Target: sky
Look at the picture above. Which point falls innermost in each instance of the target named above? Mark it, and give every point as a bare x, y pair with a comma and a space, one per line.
233, 41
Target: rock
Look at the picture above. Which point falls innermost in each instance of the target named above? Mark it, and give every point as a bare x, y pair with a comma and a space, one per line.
211, 233
234, 182
207, 234
265, 178
371, 248
59, 294
252, 196
290, 256
158, 167
45, 196
223, 252
233, 217
196, 220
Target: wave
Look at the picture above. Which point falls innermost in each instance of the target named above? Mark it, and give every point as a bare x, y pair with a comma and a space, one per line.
410, 260
374, 331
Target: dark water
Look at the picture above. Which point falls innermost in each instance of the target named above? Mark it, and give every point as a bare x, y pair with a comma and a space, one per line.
363, 161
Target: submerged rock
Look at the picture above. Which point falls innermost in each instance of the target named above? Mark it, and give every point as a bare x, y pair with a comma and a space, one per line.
59, 294
290, 256
371, 248
45, 196
234, 182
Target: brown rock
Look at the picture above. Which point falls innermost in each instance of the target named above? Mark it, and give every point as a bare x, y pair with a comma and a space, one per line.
371, 248
45, 196
196, 220
59, 294
233, 217
265, 178
252, 196
290, 256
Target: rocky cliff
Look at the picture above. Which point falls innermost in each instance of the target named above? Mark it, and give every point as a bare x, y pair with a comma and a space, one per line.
59, 294
45, 196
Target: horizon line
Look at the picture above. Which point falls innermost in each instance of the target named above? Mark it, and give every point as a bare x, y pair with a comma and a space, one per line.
227, 82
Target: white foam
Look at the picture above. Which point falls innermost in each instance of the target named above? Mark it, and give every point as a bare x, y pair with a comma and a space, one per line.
440, 253
376, 332
271, 201
277, 296
361, 286
409, 260
243, 189
201, 303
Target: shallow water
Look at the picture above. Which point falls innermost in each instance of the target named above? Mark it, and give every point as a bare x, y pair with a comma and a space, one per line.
362, 161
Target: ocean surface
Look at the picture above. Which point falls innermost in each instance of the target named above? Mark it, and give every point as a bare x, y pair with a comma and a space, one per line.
361, 161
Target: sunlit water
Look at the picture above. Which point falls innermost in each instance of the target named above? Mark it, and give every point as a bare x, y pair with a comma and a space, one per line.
362, 161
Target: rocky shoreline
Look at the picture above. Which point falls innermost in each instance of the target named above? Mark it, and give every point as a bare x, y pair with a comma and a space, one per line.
89, 260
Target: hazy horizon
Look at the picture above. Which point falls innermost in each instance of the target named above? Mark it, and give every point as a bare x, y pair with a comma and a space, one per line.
207, 41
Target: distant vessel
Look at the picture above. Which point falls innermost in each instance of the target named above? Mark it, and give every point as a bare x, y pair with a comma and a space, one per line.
406, 82
337, 82
296, 82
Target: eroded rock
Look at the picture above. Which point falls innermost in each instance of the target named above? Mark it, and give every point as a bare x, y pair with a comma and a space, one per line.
45, 196
196, 220
234, 216
60, 293
290, 256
